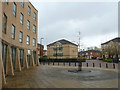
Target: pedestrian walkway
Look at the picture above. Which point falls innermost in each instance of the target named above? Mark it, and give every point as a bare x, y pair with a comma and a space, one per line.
45, 76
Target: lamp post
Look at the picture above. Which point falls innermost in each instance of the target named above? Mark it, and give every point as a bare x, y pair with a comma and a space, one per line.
40, 46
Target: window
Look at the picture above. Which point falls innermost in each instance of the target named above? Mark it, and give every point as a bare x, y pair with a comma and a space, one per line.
7, 1
21, 37
34, 16
4, 23
13, 32
34, 28
21, 18
34, 41
14, 9
29, 10
22, 3
28, 40
28, 24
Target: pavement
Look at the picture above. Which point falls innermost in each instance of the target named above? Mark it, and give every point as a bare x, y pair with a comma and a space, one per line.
49, 76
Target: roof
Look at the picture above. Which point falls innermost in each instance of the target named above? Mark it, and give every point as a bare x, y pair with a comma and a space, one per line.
63, 41
114, 40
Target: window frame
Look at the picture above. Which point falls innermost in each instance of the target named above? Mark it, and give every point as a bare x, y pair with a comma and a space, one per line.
22, 3
28, 40
13, 32
29, 10
4, 24
21, 18
34, 28
28, 24
14, 9
34, 16
34, 42
21, 37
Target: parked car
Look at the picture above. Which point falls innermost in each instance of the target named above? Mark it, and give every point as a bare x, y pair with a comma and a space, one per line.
99, 58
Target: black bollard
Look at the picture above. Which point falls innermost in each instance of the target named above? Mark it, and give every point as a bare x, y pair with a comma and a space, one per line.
75, 63
93, 65
58, 63
69, 64
113, 65
100, 65
87, 64
53, 62
106, 65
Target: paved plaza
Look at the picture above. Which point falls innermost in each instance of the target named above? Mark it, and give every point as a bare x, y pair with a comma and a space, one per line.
45, 76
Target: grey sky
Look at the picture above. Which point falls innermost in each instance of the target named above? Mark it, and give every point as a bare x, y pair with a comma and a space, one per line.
97, 21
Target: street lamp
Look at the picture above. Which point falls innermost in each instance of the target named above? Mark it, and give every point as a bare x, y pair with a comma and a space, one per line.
40, 46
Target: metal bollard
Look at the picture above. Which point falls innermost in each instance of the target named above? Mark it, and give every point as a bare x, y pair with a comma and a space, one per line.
69, 64
106, 65
64, 63
87, 64
93, 65
53, 62
75, 63
100, 65
113, 65
58, 63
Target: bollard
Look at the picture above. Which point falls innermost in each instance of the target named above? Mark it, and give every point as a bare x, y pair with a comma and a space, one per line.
106, 65
75, 63
53, 62
113, 65
64, 63
69, 64
87, 64
100, 65
58, 63
48, 63
93, 65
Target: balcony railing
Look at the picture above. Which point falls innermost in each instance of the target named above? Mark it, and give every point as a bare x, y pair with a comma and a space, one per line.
57, 48
58, 54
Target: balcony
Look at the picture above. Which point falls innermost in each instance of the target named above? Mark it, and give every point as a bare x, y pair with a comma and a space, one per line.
57, 48
58, 54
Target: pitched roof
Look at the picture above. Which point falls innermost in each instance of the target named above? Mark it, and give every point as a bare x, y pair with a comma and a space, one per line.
114, 40
62, 41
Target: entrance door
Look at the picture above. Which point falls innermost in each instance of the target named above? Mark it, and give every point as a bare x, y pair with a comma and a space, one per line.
13, 50
34, 55
22, 58
4, 56
28, 59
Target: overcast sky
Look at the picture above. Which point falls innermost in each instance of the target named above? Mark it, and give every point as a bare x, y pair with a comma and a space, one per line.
97, 22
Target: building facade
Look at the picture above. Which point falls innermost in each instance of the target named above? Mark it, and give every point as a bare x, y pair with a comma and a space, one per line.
19, 36
62, 49
110, 49
40, 50
90, 54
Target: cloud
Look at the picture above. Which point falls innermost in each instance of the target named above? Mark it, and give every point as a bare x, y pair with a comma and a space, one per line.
64, 20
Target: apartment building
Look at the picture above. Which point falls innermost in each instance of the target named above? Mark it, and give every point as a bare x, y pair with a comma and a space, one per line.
90, 54
19, 36
40, 50
62, 49
110, 49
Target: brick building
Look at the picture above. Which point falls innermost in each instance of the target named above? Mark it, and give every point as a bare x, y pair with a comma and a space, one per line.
90, 54
40, 50
62, 49
110, 49
19, 37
